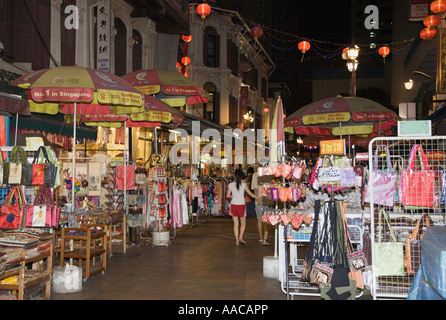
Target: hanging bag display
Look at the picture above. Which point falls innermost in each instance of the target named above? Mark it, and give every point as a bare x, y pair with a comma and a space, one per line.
43, 212
389, 256
418, 184
412, 252
11, 214
130, 179
298, 170
52, 170
328, 173
348, 175
383, 182
38, 168
15, 167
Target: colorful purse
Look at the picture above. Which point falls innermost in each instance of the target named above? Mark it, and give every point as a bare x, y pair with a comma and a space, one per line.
418, 185
382, 182
348, 176
389, 256
43, 212
298, 170
11, 215
412, 252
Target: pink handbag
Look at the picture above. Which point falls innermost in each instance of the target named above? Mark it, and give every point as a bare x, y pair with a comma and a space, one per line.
383, 182
44, 212
298, 170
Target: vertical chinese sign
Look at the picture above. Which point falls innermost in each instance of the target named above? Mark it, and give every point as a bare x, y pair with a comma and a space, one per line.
441, 61
103, 36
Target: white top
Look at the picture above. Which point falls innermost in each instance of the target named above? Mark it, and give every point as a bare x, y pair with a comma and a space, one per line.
238, 196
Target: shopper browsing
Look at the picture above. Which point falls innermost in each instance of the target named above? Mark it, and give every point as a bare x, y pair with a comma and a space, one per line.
236, 193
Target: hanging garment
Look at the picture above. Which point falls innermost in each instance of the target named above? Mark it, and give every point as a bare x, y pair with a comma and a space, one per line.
176, 213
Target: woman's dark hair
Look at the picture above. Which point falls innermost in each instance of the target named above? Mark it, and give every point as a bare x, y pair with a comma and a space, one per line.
238, 174
250, 170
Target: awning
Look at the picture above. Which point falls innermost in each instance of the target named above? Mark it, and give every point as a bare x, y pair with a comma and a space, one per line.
54, 124
13, 100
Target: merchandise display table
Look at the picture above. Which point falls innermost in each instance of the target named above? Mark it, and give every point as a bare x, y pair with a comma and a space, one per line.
87, 243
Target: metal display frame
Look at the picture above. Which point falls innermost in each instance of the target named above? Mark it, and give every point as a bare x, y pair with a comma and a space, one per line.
403, 219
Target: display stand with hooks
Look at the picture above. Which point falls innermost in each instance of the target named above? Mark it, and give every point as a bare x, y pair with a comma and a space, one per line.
292, 283
404, 215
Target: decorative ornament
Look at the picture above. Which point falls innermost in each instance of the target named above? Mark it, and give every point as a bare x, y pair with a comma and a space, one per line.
438, 6
384, 52
303, 46
428, 33
256, 32
432, 21
185, 60
203, 10
186, 39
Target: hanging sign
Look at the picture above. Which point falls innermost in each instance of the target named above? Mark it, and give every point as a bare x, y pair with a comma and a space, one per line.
419, 9
421, 128
103, 36
332, 147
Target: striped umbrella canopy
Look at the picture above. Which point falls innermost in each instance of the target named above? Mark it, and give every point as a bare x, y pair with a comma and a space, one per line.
340, 116
93, 91
170, 86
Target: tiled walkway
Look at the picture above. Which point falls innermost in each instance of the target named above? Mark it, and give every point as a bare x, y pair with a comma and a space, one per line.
202, 263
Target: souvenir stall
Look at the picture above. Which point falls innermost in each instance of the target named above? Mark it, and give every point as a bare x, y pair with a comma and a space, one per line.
311, 202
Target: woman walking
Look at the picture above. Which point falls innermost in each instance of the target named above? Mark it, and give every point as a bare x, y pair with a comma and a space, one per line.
236, 192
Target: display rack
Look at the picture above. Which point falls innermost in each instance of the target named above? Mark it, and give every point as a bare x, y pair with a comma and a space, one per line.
31, 277
403, 218
157, 205
291, 266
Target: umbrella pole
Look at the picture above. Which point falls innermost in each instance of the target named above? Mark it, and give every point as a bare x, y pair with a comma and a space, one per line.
16, 128
74, 160
124, 227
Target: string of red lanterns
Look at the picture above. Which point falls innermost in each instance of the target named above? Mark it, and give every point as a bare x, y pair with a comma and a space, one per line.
434, 20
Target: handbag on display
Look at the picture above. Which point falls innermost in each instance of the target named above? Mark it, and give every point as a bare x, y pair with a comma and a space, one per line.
412, 252
44, 212
389, 256
298, 170
52, 170
130, 177
11, 214
383, 182
348, 175
418, 184
14, 171
328, 173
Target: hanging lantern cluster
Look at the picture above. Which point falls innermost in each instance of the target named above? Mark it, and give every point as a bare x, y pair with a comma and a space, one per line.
203, 10
185, 60
432, 21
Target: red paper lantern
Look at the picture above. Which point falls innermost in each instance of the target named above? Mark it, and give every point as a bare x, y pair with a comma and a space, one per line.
304, 46
432, 21
203, 10
256, 32
428, 33
438, 6
266, 110
384, 51
185, 60
186, 39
